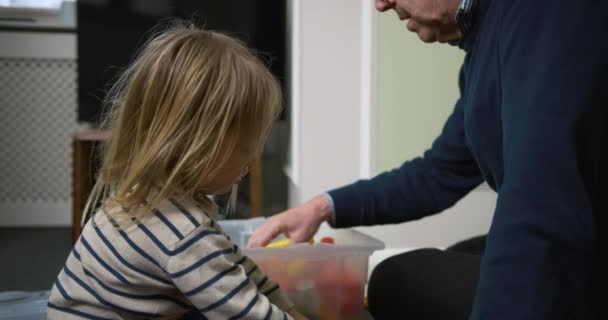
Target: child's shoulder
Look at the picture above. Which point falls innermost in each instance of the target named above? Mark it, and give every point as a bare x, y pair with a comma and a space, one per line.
182, 217
161, 233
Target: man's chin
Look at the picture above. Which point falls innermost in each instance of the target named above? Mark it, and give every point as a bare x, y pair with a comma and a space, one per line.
449, 35
433, 37
449, 39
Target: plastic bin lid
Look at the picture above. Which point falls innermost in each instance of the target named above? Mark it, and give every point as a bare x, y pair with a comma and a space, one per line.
348, 242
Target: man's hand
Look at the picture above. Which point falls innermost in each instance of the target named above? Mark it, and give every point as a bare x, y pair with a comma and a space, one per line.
299, 224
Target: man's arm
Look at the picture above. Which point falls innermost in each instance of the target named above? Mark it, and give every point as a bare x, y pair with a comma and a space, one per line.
420, 187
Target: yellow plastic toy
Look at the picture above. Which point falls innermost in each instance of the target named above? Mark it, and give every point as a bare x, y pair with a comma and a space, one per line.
284, 243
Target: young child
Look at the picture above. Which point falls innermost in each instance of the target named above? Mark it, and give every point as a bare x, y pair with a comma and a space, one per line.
186, 117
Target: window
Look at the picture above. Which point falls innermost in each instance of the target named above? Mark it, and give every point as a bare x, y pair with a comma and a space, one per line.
32, 4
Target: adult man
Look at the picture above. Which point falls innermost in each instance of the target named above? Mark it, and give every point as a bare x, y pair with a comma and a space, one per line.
531, 122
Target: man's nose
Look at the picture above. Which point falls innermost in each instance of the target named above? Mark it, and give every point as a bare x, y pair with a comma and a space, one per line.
384, 5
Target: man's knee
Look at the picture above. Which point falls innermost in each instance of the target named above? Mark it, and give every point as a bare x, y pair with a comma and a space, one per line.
394, 287
425, 284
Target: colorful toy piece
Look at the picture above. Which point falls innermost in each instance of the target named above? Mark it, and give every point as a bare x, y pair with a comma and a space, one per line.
329, 240
331, 280
284, 243
298, 268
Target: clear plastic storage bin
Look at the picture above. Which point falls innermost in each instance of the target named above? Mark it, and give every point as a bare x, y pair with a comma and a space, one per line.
325, 281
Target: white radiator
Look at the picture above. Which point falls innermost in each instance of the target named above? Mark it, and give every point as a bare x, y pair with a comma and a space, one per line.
38, 106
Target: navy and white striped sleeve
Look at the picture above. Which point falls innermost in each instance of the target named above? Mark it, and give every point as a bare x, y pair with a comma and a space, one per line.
266, 286
216, 278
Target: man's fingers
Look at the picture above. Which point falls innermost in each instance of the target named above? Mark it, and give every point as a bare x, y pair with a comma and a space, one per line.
263, 235
304, 233
300, 237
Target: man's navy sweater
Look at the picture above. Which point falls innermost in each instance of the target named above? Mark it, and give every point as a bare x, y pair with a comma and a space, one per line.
532, 121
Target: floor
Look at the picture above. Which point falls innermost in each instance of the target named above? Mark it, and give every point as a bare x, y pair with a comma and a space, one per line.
30, 258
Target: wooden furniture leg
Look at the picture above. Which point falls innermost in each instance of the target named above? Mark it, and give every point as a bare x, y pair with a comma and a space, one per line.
81, 181
84, 169
255, 188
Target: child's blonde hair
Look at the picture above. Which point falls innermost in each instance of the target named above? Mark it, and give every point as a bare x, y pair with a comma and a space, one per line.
187, 103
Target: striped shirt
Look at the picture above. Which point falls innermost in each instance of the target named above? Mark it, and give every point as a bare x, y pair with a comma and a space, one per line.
167, 263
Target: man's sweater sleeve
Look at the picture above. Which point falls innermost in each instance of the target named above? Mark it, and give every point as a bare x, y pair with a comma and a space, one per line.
420, 187
538, 253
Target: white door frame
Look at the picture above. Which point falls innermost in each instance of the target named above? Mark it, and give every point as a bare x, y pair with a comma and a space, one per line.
367, 164
363, 37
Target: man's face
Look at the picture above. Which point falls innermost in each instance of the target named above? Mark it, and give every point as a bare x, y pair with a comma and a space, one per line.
432, 20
